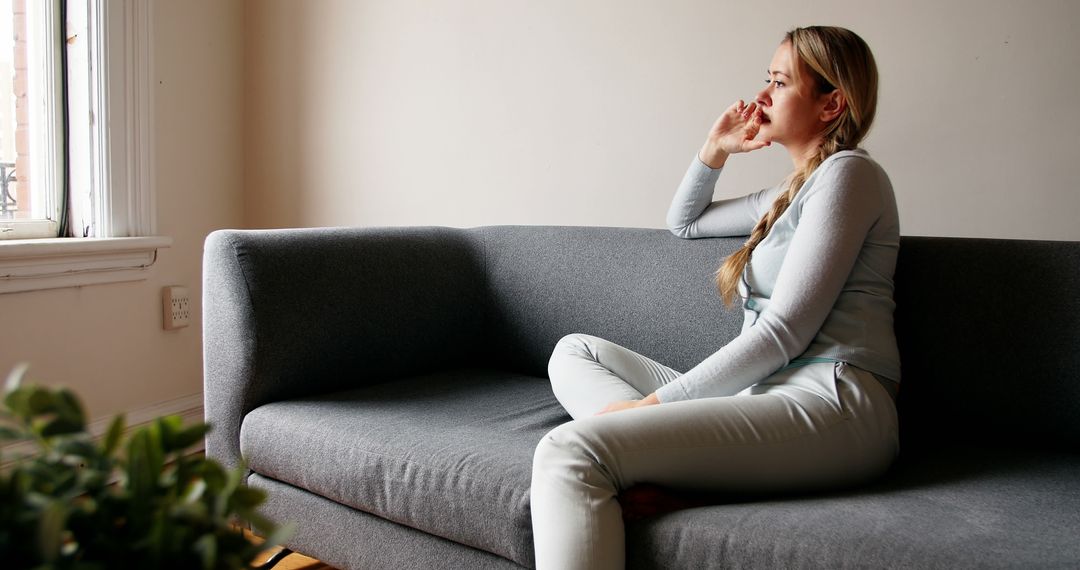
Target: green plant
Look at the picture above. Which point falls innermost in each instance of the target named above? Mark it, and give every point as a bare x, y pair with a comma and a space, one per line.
71, 502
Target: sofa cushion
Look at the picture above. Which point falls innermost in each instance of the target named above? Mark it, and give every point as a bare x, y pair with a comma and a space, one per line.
449, 454
962, 508
347, 538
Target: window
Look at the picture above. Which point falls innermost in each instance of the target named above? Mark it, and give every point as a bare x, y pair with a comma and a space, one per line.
31, 142
83, 164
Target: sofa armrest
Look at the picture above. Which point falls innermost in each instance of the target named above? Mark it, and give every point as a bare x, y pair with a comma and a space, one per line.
291, 313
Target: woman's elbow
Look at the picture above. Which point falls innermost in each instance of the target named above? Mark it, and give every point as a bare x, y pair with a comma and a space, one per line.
680, 229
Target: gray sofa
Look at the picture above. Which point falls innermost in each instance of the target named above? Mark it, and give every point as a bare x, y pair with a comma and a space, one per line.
387, 387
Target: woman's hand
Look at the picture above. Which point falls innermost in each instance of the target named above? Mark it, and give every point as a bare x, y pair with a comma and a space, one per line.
733, 133
650, 400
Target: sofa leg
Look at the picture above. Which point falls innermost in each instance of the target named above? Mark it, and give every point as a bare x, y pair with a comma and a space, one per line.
273, 560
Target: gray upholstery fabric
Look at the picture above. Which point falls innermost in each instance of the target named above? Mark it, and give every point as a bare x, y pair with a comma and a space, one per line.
295, 312
349, 539
989, 335
644, 289
964, 508
449, 454
345, 343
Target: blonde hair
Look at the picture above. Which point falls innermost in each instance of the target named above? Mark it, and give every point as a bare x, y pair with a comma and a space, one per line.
834, 58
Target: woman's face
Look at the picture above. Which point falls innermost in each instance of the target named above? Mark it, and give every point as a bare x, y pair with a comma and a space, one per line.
791, 110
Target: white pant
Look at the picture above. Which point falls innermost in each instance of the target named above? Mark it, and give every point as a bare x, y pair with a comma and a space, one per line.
811, 427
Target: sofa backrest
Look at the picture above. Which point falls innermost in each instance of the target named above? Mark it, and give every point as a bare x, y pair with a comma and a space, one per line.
644, 289
989, 330
989, 335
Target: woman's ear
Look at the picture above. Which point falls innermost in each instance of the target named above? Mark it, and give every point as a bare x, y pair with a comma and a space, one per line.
835, 105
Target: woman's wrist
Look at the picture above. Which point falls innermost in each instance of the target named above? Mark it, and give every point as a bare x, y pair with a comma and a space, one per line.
649, 400
712, 156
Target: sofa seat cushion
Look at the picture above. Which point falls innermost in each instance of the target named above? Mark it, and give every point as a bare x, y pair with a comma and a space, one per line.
965, 508
449, 454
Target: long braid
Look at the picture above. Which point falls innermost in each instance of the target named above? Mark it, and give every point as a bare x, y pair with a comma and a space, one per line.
836, 58
727, 276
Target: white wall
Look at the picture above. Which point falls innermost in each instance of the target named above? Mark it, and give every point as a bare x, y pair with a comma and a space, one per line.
588, 111
106, 341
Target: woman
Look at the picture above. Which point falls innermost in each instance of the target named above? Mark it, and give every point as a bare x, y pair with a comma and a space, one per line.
803, 398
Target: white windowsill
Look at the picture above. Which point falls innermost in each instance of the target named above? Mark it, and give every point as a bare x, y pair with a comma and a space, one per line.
33, 264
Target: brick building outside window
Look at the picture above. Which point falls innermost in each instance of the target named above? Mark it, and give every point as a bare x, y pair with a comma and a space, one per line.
15, 184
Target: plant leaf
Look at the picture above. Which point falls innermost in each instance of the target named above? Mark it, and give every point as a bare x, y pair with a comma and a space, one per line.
15, 400
142, 475
79, 447
167, 510
39, 401
69, 408
247, 498
189, 436
60, 425
206, 546
168, 427
194, 491
15, 377
114, 435
51, 529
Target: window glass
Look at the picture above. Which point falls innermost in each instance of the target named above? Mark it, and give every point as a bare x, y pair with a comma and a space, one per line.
31, 129
14, 198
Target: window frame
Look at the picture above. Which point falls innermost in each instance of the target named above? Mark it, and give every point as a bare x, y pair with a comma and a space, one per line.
123, 173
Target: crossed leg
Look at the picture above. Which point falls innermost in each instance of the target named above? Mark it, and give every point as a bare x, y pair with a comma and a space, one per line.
820, 425
588, 373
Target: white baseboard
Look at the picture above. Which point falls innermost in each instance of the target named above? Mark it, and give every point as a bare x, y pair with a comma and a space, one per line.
189, 408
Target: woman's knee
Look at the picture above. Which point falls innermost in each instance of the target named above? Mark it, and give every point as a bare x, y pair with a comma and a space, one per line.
570, 348
559, 446
574, 343
571, 452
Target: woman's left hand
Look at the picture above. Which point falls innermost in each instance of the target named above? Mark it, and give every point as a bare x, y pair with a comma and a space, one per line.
650, 400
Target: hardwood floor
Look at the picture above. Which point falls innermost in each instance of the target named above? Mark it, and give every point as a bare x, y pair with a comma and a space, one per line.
294, 561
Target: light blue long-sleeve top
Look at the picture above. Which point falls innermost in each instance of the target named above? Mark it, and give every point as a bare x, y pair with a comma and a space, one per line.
818, 287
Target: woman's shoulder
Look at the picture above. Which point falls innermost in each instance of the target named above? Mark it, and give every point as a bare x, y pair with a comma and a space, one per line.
849, 176
851, 166
855, 159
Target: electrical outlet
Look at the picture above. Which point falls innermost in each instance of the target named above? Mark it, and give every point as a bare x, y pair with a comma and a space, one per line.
176, 308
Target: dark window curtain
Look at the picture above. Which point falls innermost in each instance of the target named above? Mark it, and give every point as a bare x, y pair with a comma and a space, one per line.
64, 223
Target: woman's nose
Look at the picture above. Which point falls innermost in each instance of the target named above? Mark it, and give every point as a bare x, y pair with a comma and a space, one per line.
763, 99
